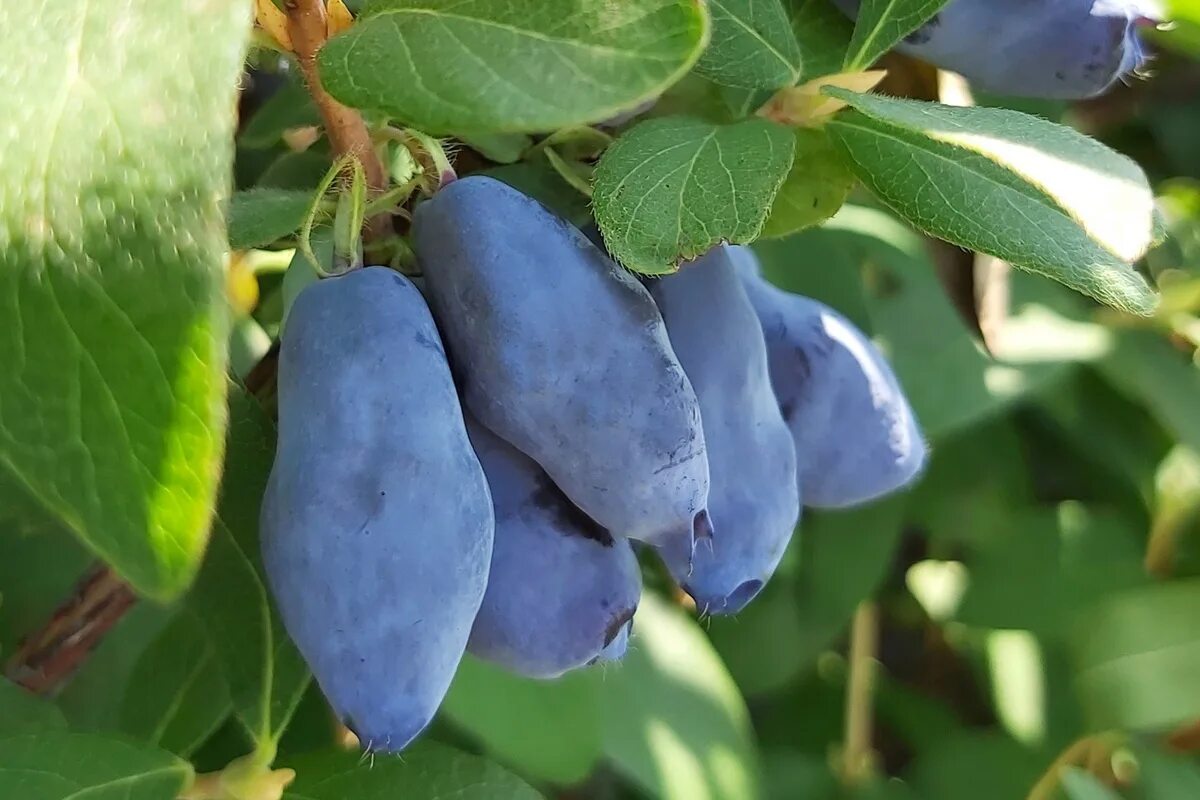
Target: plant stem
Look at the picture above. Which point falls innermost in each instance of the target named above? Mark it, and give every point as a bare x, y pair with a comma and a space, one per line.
49, 657
857, 753
345, 127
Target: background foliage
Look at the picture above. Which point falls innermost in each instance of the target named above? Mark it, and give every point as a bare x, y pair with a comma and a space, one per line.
1034, 600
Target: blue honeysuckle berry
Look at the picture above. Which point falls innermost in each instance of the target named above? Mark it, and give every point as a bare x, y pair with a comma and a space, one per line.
1058, 49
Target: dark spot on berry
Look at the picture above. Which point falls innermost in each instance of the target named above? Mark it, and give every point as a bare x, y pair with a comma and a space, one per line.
924, 33
616, 624
550, 499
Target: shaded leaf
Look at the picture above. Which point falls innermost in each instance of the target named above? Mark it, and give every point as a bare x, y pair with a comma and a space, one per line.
24, 712
176, 696
264, 671
558, 738
674, 722
289, 107
881, 24
982, 766
56, 765
426, 771
257, 217
1138, 658
823, 33
815, 187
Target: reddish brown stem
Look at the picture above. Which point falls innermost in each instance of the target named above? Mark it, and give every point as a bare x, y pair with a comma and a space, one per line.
345, 127
49, 657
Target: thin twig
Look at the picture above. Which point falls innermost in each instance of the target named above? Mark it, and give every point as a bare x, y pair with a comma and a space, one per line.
51, 655
857, 750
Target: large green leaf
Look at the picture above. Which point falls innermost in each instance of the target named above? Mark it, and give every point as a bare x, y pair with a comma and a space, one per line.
824, 35
1138, 657
116, 147
485, 66
883, 23
558, 738
258, 217
23, 712
671, 188
1166, 380
265, 673
426, 771
981, 766
291, 106
1064, 560
176, 695
1105, 192
56, 765
752, 45
1038, 195
674, 722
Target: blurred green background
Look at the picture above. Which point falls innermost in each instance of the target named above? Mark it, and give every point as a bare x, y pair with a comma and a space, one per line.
1033, 601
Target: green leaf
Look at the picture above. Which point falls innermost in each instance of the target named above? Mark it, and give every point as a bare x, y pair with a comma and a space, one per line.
37, 570
264, 671
425, 771
176, 696
258, 217
290, 107
881, 24
742, 103
1065, 561
771, 624
539, 180
1105, 192
1080, 785
1109, 428
111, 282
1038, 195
823, 33
670, 189
674, 722
948, 381
815, 188
817, 263
558, 738
844, 557
299, 171
503, 148
981, 766
24, 712
752, 45
92, 699
1166, 776
1147, 368
1138, 658
492, 66
788, 773
56, 765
